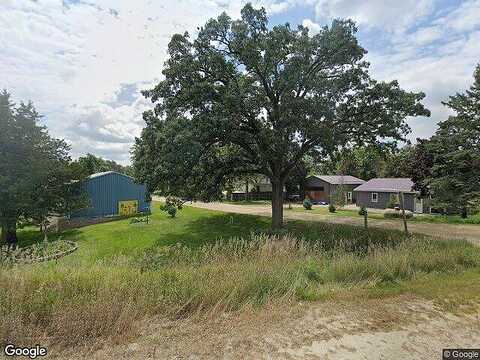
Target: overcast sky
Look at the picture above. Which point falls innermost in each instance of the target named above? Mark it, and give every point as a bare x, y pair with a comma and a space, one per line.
84, 62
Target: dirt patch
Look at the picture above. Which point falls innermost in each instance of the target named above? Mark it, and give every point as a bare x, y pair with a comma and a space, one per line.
395, 328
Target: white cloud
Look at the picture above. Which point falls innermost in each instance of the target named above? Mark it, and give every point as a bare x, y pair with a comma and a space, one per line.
84, 63
313, 27
389, 15
73, 57
426, 46
464, 18
439, 73
71, 60
426, 35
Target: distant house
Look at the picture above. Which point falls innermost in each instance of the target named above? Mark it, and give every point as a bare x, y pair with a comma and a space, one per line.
321, 188
377, 193
261, 189
111, 193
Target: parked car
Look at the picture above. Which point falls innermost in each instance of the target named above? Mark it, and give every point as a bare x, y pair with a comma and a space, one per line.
293, 197
319, 202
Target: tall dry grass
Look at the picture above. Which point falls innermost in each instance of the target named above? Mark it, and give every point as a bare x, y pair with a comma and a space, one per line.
75, 304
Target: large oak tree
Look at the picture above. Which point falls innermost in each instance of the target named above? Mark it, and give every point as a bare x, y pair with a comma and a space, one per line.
244, 97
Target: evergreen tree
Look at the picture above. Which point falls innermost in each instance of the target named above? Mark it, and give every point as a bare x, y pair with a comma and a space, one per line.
449, 162
35, 180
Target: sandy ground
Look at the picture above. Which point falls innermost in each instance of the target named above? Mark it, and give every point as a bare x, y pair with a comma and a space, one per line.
450, 231
403, 327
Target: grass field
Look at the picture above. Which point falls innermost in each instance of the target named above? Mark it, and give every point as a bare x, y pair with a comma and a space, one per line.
446, 219
208, 262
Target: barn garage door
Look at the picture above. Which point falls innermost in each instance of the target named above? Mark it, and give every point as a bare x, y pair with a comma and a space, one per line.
317, 195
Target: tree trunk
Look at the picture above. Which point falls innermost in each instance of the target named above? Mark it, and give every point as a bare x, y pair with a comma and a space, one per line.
464, 214
302, 190
12, 237
277, 205
365, 218
246, 191
3, 235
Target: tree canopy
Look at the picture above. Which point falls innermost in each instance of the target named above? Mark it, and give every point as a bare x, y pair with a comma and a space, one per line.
244, 97
448, 164
368, 162
91, 164
35, 179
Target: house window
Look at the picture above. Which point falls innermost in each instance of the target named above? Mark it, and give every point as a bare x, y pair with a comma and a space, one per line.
374, 197
349, 196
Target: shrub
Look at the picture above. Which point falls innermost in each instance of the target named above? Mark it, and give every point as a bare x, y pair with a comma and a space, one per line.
362, 211
307, 204
332, 208
396, 214
174, 201
138, 220
169, 209
41, 251
392, 201
172, 211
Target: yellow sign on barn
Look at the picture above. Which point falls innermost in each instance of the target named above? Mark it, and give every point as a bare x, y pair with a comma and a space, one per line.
129, 207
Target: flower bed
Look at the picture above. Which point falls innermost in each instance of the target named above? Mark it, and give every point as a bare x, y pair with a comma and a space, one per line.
43, 251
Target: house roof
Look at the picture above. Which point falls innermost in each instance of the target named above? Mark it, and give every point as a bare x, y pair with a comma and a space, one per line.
340, 179
391, 185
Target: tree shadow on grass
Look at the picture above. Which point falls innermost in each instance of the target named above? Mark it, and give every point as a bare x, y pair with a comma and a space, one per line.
350, 237
31, 235
208, 229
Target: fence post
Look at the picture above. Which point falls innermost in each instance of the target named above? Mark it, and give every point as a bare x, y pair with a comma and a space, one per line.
402, 201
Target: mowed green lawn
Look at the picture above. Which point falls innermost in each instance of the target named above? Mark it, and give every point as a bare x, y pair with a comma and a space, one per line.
192, 227
448, 219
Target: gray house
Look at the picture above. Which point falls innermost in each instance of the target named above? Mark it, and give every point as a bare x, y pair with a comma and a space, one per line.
377, 193
320, 188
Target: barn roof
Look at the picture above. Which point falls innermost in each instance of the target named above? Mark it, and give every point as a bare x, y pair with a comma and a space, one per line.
96, 175
387, 185
340, 179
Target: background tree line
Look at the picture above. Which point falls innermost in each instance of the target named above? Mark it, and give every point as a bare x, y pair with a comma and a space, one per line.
444, 167
367, 162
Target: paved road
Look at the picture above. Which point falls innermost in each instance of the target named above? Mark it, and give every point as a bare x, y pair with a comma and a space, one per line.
448, 231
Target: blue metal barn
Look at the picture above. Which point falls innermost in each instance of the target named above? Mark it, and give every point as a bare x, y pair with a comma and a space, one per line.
108, 193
